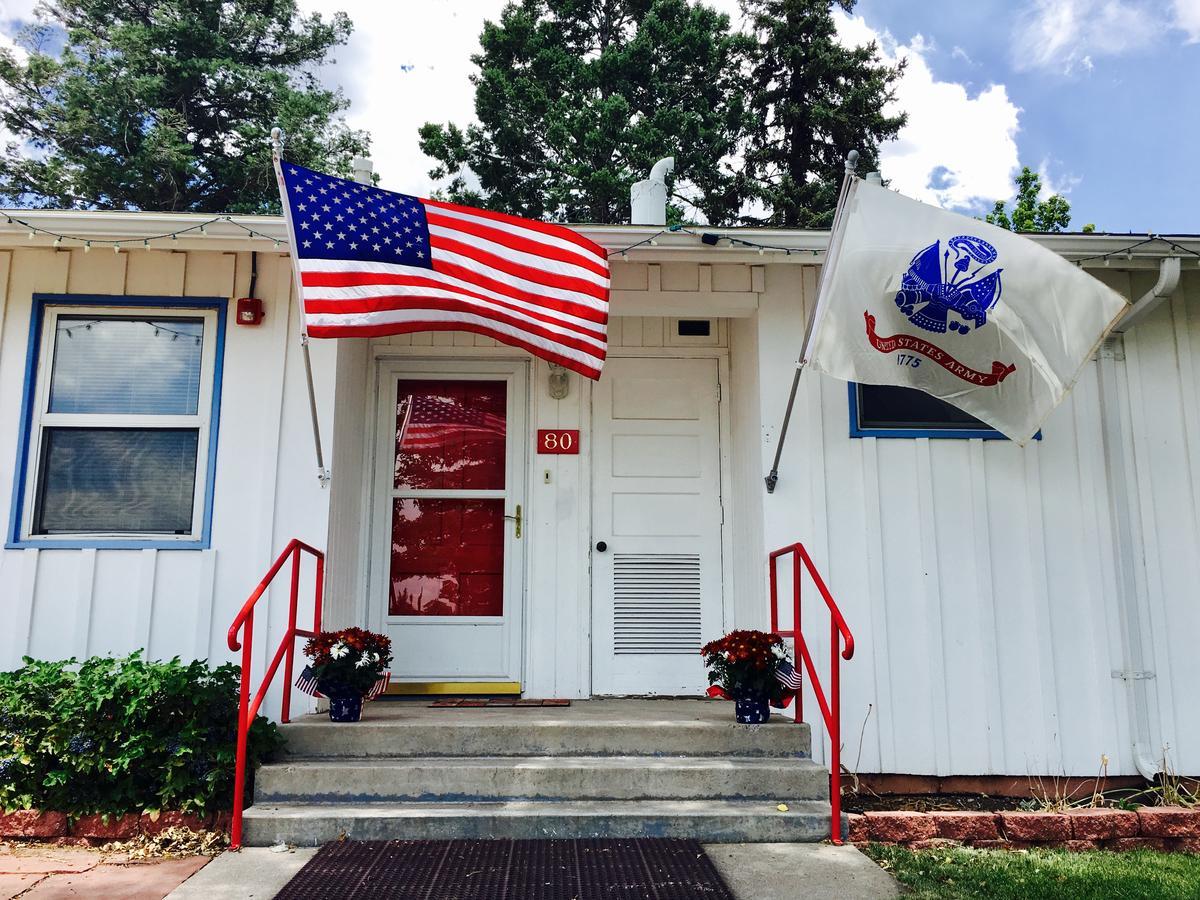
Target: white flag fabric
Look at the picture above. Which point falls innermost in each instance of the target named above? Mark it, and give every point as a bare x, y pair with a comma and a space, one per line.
982, 318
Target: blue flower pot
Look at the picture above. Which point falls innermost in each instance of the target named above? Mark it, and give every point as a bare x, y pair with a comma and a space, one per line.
345, 708
752, 710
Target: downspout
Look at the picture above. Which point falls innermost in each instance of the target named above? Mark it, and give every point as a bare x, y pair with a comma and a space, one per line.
1127, 556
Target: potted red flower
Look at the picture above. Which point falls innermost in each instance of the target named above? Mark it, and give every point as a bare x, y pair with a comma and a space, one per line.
346, 665
743, 664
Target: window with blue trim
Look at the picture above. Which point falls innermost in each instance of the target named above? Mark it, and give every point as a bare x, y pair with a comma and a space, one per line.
884, 410
120, 414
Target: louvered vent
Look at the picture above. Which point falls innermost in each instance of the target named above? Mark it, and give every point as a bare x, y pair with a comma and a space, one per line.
657, 604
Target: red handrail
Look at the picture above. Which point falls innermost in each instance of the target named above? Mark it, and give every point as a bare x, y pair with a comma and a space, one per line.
841, 647
248, 709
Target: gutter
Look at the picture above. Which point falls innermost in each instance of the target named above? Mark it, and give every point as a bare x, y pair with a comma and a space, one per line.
794, 246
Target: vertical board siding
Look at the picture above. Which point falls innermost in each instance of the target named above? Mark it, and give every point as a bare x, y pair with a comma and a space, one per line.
978, 577
78, 602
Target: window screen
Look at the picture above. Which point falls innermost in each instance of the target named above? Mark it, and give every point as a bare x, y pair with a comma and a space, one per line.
126, 366
117, 480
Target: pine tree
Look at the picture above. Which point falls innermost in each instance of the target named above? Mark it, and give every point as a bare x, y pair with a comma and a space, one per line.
577, 99
168, 104
1029, 213
811, 102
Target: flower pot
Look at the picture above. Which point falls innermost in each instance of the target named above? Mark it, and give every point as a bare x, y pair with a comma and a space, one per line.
347, 708
752, 710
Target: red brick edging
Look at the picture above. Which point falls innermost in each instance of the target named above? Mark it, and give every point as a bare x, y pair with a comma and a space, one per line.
42, 825
1158, 828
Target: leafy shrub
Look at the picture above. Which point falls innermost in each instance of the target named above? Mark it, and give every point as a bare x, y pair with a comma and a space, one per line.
116, 735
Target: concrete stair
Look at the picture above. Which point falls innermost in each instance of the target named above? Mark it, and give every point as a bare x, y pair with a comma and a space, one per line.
600, 768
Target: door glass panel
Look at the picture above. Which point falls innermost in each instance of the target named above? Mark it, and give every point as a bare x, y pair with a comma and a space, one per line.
447, 558
450, 435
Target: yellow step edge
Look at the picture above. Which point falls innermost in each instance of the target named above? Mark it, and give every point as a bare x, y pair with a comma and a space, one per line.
410, 688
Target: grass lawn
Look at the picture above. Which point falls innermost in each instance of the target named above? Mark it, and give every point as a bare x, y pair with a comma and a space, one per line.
1038, 874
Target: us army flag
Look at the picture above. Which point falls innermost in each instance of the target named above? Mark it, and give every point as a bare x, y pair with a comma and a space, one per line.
983, 318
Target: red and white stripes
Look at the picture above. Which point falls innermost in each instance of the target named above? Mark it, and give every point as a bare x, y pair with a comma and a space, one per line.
529, 284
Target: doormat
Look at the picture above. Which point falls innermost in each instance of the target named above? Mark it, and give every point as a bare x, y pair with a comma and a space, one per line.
483, 702
558, 869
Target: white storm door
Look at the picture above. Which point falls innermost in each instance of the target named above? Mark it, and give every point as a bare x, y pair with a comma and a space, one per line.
450, 480
656, 530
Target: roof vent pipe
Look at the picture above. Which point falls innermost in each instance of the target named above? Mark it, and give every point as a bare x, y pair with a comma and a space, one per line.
874, 178
361, 169
648, 198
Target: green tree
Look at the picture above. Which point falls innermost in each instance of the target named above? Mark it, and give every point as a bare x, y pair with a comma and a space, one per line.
811, 102
1029, 213
577, 99
168, 104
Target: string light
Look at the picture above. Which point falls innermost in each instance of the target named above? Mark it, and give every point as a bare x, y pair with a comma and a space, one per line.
33, 230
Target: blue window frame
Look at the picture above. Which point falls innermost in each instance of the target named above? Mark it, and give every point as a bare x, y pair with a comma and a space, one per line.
889, 411
119, 423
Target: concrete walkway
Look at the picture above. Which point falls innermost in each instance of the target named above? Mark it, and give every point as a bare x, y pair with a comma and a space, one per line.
46, 872
752, 871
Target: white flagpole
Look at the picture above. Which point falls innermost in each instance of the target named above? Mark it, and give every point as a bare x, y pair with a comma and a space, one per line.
773, 476
276, 160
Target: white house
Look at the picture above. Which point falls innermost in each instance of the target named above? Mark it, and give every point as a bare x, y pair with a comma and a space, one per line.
1015, 611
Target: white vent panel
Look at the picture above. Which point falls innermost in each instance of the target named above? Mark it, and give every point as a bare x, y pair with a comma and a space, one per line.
656, 603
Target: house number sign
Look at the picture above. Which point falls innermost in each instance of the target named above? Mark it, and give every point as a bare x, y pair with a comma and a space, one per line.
558, 440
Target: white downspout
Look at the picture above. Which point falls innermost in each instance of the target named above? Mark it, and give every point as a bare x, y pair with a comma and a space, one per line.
1127, 556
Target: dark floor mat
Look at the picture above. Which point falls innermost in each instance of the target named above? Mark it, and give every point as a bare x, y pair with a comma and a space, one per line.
592, 869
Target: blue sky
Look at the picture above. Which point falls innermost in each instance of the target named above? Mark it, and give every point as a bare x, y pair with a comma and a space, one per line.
1106, 93
1098, 95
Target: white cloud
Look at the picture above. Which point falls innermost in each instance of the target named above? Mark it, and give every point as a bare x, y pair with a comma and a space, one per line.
1187, 18
1069, 35
1062, 183
406, 64
956, 150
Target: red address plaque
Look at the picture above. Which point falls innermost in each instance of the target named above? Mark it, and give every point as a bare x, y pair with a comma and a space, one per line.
559, 440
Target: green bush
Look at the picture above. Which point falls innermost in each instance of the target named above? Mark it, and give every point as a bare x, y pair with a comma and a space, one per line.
117, 735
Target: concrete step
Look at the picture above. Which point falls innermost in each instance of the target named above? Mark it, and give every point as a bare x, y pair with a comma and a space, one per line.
587, 728
467, 779
712, 821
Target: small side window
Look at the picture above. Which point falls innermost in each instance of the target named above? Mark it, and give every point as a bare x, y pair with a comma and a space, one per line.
884, 410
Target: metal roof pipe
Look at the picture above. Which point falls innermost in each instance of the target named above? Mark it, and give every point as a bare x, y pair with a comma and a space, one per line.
648, 198
362, 169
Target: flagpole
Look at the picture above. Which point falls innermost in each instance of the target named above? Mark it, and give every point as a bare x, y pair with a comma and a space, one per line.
773, 476
276, 161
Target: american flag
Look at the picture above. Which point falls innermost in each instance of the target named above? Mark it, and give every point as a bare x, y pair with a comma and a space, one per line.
787, 675
427, 421
306, 683
374, 262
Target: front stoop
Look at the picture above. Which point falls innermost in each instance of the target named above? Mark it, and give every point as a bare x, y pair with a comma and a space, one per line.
601, 768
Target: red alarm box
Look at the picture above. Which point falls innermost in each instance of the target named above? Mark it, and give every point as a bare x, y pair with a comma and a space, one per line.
249, 311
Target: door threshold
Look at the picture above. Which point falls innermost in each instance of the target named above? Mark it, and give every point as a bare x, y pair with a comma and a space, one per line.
456, 688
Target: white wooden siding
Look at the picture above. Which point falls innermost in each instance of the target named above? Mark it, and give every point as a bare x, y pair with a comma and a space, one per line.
978, 577
63, 602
